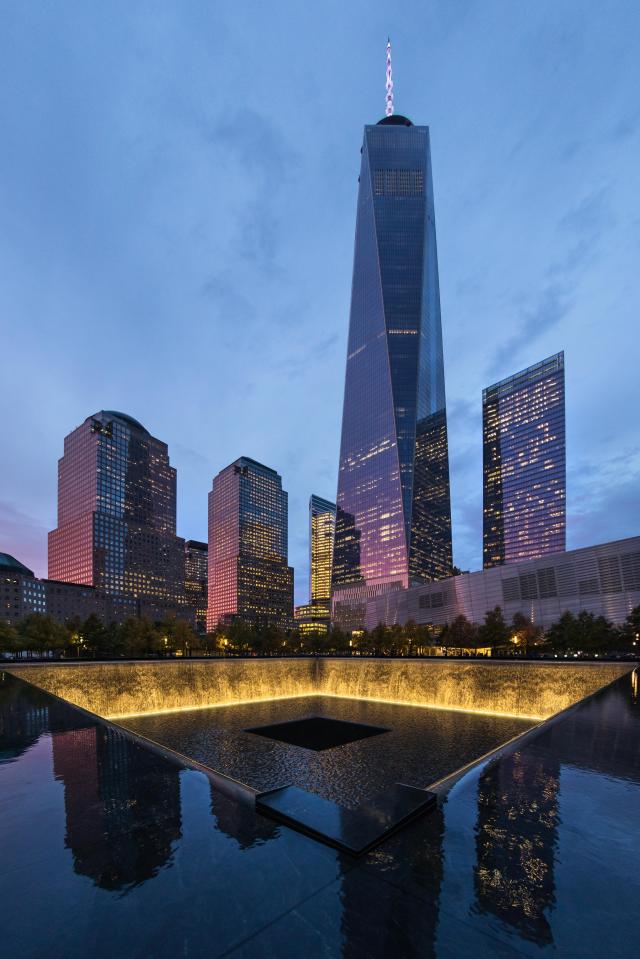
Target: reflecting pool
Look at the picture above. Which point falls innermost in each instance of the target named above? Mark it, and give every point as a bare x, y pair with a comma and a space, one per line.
108, 849
421, 745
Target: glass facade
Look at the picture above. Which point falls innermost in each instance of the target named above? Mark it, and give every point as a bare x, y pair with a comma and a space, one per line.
117, 512
196, 566
524, 464
322, 528
249, 575
393, 520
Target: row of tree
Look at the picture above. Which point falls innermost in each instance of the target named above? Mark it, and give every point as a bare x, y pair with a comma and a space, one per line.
585, 633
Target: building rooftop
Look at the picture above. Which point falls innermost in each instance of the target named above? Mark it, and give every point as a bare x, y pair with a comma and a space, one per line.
396, 119
123, 417
9, 564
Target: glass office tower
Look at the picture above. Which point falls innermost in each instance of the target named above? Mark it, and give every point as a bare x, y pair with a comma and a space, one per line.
196, 567
315, 616
393, 524
117, 512
322, 527
249, 575
524, 464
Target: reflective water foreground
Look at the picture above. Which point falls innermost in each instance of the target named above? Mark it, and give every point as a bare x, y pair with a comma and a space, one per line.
108, 849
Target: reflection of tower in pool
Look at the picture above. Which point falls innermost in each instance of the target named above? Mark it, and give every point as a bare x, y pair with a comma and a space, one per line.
387, 915
516, 836
122, 806
25, 714
240, 821
20, 730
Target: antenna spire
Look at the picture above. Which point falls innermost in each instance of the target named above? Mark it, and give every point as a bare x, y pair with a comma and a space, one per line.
389, 98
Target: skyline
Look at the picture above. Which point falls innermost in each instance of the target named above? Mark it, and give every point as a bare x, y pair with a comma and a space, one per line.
159, 195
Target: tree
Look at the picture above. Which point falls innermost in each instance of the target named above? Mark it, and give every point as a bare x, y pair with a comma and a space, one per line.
94, 637
630, 632
460, 633
41, 633
494, 631
376, 642
269, 640
181, 635
412, 636
342, 642
524, 632
240, 636
9, 639
315, 642
582, 633
596, 634
73, 628
563, 634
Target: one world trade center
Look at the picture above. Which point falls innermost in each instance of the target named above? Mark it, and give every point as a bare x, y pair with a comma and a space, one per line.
393, 522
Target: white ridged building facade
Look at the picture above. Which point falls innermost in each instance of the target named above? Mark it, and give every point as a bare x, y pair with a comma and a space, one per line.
604, 580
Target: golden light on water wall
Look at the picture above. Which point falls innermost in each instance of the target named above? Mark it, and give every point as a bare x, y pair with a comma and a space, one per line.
526, 690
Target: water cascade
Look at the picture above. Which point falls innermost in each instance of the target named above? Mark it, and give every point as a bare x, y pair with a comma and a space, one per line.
523, 689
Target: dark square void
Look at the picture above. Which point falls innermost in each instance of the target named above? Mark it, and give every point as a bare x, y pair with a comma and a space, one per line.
318, 732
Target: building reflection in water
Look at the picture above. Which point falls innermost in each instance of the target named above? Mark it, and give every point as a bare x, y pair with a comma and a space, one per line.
122, 806
20, 729
516, 837
602, 736
389, 924
240, 822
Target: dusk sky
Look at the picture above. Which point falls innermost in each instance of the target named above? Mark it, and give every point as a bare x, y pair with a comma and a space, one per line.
178, 187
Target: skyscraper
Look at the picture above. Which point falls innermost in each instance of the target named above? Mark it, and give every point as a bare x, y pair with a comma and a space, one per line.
249, 576
117, 512
322, 527
524, 464
393, 524
315, 616
195, 579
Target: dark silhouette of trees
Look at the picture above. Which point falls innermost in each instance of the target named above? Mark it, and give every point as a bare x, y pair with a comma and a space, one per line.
459, 634
581, 634
494, 631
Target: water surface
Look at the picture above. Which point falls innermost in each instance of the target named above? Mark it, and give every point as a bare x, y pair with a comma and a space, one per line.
422, 745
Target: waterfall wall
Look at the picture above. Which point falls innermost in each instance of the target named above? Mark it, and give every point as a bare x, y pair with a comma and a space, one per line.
526, 689
120, 689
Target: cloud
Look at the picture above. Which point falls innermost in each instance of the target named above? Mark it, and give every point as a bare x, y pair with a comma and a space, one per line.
604, 502
583, 226
257, 154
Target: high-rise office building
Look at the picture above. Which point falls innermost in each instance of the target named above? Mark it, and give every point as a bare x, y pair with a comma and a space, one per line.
524, 464
322, 528
315, 616
393, 524
196, 565
117, 513
249, 575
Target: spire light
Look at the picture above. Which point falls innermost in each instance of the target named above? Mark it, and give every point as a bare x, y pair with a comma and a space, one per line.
389, 98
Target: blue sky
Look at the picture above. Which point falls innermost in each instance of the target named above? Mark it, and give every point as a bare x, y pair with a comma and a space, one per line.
177, 203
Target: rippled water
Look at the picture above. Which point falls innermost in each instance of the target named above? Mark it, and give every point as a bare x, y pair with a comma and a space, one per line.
422, 745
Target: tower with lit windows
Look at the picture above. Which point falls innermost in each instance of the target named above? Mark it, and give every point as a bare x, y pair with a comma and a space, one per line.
322, 528
393, 522
249, 575
117, 512
524, 465
315, 616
